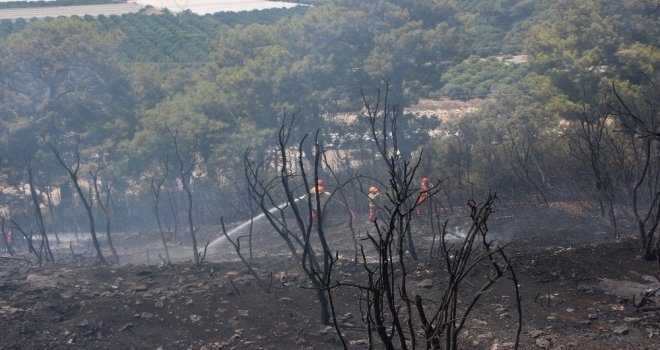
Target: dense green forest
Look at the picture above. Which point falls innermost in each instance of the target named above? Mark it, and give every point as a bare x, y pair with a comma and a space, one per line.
577, 120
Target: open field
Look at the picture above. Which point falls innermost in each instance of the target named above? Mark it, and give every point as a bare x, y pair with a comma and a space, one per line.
196, 6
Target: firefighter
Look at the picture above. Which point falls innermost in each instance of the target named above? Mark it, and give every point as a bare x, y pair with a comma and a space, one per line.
374, 198
318, 191
423, 196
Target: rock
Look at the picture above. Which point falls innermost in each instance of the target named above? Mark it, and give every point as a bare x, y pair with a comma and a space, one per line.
426, 283
325, 330
495, 345
84, 323
543, 343
41, 281
195, 318
359, 342
139, 288
243, 312
536, 333
488, 335
127, 326
620, 330
147, 315
159, 304
593, 316
286, 299
631, 319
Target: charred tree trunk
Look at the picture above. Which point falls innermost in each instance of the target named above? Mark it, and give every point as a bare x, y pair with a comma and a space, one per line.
72, 170
156, 187
104, 204
37, 212
185, 169
298, 235
382, 117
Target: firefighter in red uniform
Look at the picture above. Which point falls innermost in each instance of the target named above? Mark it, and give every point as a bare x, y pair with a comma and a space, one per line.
374, 198
423, 196
318, 190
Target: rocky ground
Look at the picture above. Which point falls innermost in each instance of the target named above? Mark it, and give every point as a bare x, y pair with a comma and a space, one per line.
578, 285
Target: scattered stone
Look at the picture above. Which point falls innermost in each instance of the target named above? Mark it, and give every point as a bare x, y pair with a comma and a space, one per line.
543, 343
84, 323
139, 288
147, 315
620, 330
243, 312
195, 318
159, 304
426, 283
631, 319
593, 316
495, 345
536, 333
650, 279
325, 330
570, 310
127, 326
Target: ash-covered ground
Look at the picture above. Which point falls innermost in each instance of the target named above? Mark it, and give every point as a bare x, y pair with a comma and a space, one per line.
578, 286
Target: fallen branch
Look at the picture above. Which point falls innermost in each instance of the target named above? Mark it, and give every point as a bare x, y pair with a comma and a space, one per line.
237, 248
235, 288
646, 298
650, 308
12, 258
